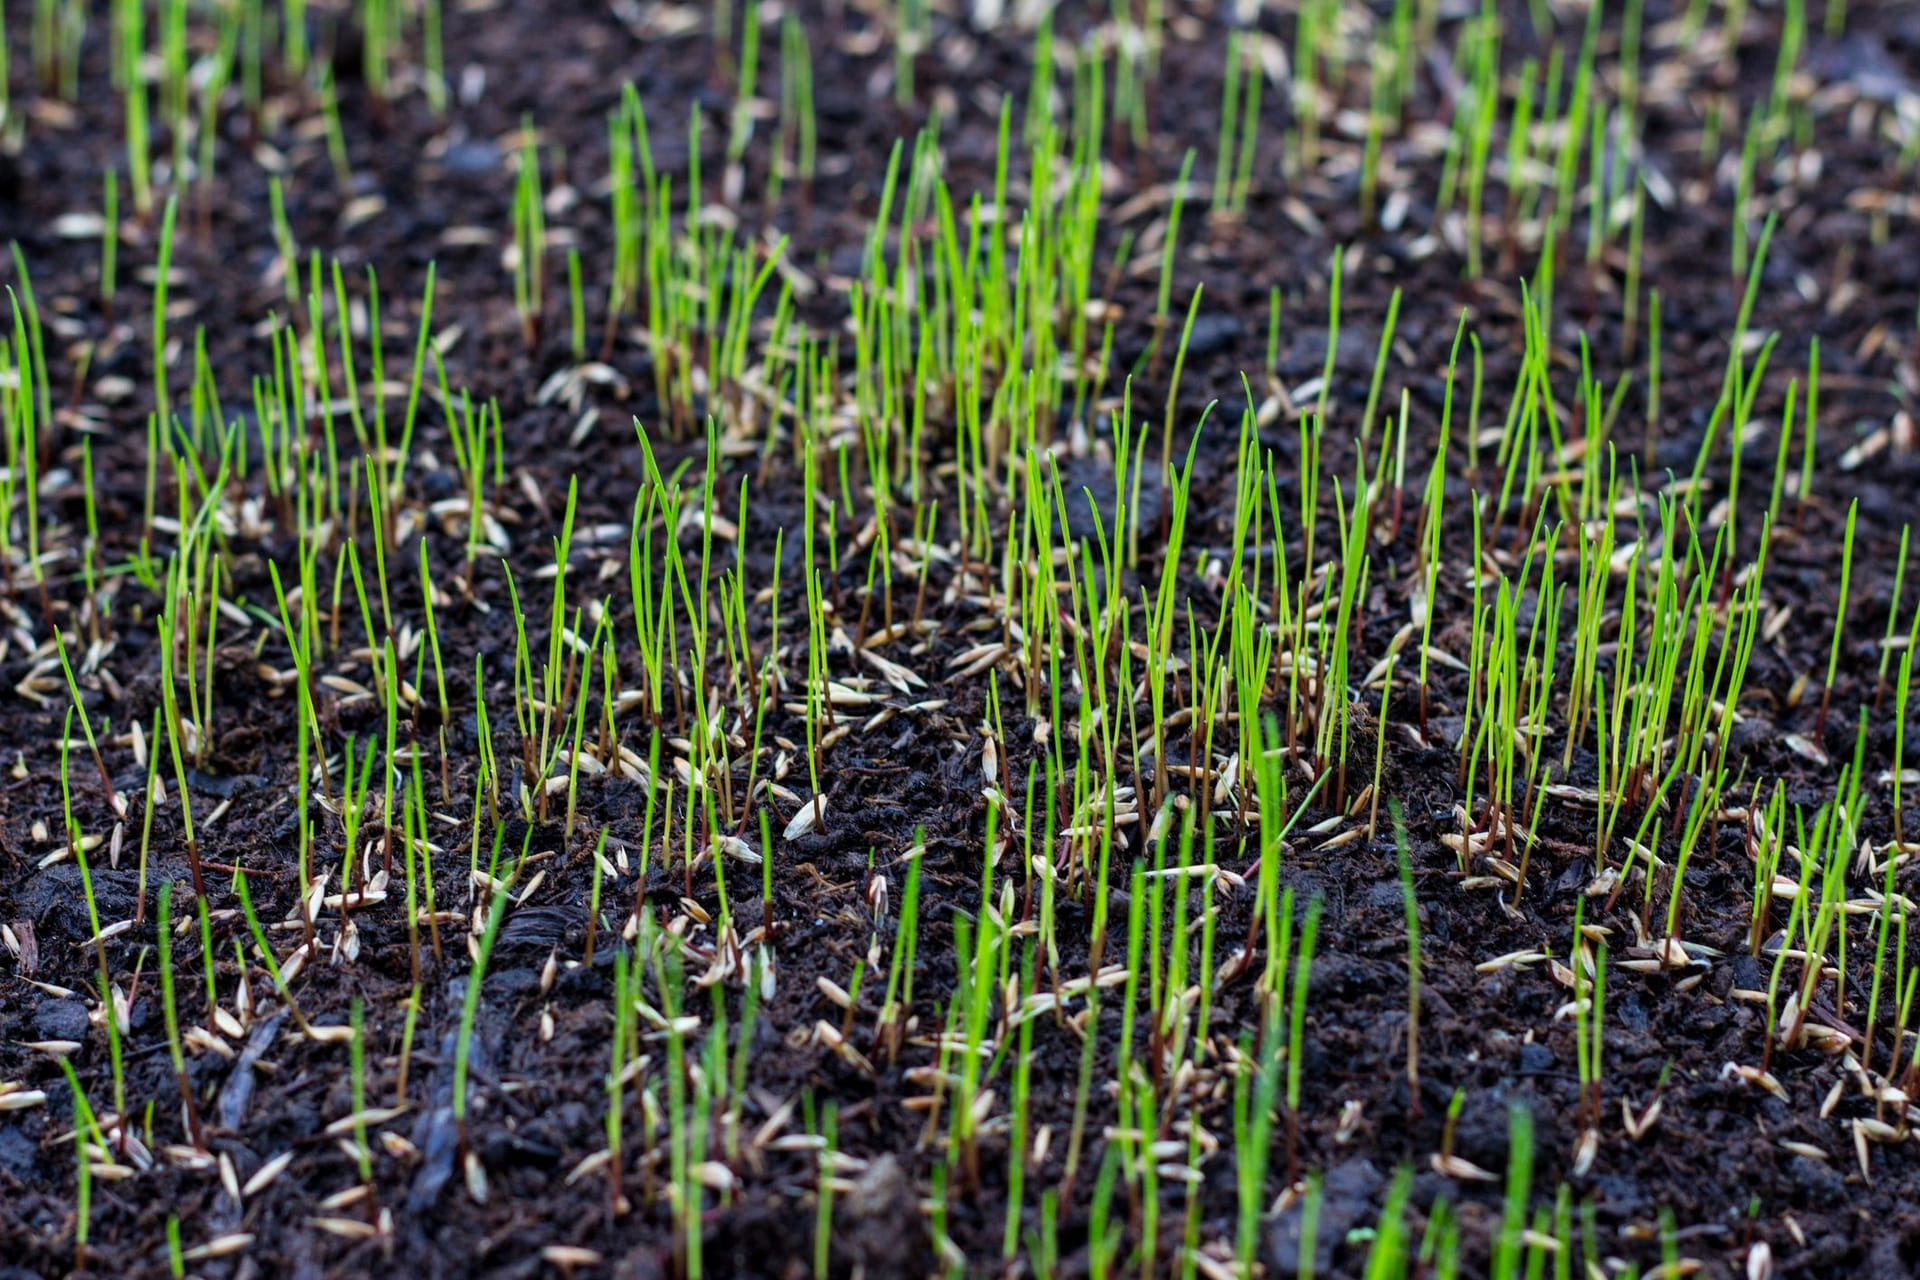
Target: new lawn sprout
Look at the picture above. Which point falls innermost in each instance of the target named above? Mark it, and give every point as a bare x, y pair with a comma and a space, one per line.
1007, 566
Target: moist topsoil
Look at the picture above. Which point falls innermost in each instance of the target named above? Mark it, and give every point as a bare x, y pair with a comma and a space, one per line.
1714, 1160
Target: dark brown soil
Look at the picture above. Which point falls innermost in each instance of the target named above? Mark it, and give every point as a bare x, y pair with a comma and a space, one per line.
1714, 1169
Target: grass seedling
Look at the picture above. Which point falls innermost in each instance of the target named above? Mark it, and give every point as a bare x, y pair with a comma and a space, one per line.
162, 270
1387, 1255
110, 241
1839, 624
1164, 299
529, 239
165, 936
1412, 906
110, 1012
1887, 641
86, 726
265, 950
823, 1194
796, 143
1513, 1216
470, 1001
1804, 492
83, 1175
1589, 1012
170, 707
1296, 1032
335, 134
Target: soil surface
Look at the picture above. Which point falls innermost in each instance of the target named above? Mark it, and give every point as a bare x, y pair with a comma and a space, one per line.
1724, 1165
